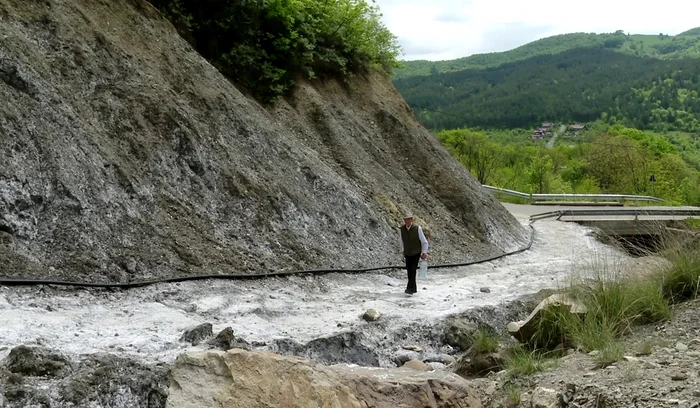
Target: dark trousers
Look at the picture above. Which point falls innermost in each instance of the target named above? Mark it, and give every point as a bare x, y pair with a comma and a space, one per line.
411, 266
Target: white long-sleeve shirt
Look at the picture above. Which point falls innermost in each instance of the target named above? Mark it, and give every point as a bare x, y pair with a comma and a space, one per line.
423, 241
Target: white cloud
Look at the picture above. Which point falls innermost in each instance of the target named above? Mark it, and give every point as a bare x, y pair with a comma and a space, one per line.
448, 29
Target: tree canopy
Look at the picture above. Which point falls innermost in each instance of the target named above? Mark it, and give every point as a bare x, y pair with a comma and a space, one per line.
265, 44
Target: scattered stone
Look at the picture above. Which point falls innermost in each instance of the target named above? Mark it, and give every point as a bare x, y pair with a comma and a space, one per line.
631, 359
589, 374
681, 347
544, 398
565, 399
479, 365
227, 340
459, 333
435, 366
371, 315
36, 362
416, 365
401, 358
594, 353
94, 380
484, 290
345, 347
440, 358
694, 343
679, 377
197, 334
693, 354
415, 348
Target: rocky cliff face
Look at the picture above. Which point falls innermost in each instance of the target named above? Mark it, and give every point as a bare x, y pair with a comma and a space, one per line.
124, 155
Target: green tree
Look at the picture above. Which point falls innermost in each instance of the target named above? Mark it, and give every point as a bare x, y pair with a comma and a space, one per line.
473, 149
265, 44
540, 173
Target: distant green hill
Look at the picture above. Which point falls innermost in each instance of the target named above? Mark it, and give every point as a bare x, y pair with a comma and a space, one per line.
692, 31
659, 46
584, 84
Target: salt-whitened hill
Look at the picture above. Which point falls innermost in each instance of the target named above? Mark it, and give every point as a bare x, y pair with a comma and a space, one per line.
124, 155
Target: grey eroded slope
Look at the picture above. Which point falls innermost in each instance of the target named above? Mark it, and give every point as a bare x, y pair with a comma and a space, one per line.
124, 156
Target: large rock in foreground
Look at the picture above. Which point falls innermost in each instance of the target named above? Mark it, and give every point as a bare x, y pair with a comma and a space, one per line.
239, 378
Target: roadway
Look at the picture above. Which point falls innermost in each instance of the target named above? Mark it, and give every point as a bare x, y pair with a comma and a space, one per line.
612, 220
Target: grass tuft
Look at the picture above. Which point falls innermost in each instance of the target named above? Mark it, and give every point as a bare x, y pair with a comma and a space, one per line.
484, 342
610, 354
681, 280
521, 362
513, 396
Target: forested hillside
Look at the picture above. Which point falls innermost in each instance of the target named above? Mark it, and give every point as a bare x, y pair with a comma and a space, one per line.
578, 85
661, 46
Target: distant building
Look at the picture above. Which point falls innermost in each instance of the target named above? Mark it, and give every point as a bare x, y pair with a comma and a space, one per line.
547, 125
577, 127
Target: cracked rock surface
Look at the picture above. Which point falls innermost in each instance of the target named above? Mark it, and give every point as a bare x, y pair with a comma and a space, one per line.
125, 156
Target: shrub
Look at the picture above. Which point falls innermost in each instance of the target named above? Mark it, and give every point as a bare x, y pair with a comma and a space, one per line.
681, 280
484, 342
265, 44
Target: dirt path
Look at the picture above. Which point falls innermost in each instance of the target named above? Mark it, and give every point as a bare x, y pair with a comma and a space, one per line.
550, 142
148, 322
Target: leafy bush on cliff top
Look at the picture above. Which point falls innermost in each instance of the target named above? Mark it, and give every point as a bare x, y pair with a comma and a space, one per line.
265, 44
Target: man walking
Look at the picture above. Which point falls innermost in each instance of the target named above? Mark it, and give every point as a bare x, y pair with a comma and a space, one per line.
414, 247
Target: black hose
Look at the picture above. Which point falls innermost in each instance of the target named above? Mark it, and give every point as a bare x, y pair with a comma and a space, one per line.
131, 285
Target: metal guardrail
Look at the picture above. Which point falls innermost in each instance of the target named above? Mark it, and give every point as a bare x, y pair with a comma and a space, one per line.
554, 197
670, 211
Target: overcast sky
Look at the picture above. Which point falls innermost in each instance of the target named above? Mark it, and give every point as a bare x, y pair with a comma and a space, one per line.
448, 29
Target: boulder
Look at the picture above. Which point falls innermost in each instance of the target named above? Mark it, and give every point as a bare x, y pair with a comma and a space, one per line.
371, 315
197, 334
42, 378
529, 330
445, 359
459, 333
36, 362
416, 365
349, 347
544, 398
402, 356
479, 365
239, 378
226, 339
